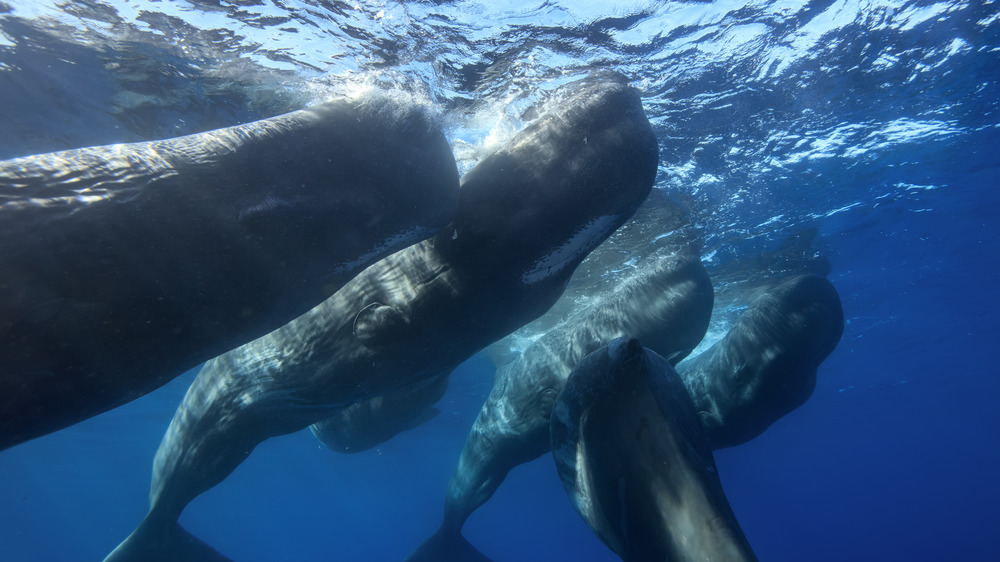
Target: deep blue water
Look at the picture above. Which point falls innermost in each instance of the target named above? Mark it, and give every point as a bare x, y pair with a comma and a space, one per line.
873, 124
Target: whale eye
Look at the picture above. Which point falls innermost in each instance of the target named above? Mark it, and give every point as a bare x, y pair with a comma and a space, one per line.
547, 401
377, 324
266, 215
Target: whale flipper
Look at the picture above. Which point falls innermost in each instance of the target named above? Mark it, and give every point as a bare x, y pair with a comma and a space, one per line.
446, 546
155, 540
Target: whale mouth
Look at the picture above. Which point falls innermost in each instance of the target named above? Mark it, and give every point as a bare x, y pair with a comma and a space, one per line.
581, 243
394, 242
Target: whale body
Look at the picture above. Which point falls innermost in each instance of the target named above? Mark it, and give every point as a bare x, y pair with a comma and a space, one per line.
764, 368
527, 216
635, 461
122, 266
666, 300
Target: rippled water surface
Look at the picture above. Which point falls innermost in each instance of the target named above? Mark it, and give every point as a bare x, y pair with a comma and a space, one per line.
859, 138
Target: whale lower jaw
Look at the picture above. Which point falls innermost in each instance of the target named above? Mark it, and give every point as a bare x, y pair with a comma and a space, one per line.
588, 237
401, 240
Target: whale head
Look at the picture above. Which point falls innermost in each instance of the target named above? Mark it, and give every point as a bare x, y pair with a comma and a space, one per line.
538, 206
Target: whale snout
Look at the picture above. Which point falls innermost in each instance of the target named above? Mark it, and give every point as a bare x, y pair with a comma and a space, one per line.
562, 186
624, 350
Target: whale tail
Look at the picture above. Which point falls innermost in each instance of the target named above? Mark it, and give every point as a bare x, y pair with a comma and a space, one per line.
155, 541
445, 546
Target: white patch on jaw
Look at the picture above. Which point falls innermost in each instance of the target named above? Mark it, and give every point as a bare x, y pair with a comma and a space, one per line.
582, 242
397, 241
584, 492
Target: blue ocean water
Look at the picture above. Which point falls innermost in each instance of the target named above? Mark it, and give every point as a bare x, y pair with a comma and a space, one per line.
869, 130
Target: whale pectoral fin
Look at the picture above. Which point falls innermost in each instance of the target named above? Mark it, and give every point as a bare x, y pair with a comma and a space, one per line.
378, 323
446, 546
158, 542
